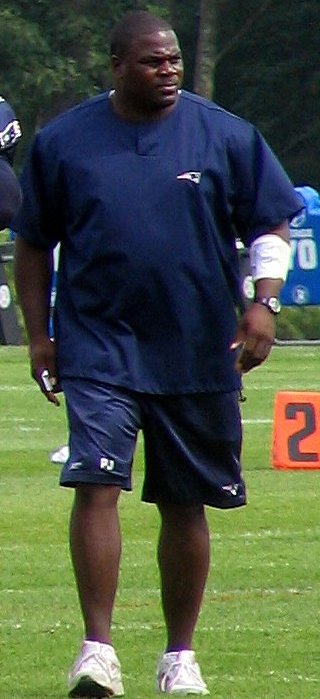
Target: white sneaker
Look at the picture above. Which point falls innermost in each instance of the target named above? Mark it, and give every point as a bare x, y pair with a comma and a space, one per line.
96, 672
179, 673
60, 455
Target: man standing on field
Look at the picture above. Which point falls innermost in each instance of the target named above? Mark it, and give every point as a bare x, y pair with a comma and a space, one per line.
147, 188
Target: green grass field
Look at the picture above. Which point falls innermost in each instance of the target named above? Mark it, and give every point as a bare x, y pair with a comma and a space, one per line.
258, 632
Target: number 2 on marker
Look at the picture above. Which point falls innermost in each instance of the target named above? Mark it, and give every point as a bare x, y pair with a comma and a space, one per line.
309, 429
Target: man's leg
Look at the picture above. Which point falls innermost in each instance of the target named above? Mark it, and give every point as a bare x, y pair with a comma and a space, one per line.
95, 550
183, 555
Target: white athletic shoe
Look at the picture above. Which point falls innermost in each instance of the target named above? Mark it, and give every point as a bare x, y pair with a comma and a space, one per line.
60, 455
179, 673
96, 672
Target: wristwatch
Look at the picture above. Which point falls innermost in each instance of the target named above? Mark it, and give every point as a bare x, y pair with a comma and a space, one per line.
272, 303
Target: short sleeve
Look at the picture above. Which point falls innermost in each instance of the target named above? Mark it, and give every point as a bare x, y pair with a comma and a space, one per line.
37, 220
264, 196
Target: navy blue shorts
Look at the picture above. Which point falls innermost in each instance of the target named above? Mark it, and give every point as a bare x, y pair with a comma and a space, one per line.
192, 443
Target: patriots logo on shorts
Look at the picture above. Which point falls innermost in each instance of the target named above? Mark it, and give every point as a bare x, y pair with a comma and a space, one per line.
231, 488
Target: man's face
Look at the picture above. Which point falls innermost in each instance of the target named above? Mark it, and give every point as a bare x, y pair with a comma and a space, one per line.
149, 76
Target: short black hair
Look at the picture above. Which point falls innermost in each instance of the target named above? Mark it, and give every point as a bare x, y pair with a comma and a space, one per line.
133, 24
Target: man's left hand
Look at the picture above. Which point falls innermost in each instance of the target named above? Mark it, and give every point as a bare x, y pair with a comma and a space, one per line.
254, 338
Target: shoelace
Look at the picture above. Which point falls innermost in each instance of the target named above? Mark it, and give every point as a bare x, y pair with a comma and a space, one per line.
176, 669
98, 659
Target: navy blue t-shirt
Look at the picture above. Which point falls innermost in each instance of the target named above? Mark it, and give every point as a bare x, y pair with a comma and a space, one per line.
148, 216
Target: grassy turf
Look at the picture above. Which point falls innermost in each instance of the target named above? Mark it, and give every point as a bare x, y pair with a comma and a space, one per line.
258, 630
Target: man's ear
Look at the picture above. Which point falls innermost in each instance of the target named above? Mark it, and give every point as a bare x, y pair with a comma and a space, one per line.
116, 65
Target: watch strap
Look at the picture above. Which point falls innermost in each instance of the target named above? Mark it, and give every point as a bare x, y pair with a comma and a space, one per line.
272, 303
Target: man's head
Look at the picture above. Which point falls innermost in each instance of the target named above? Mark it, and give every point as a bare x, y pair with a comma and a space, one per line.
147, 66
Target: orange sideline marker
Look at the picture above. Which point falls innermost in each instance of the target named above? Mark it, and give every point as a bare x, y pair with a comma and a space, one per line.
296, 430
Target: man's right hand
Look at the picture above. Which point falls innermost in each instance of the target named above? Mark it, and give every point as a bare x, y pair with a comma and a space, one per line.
43, 368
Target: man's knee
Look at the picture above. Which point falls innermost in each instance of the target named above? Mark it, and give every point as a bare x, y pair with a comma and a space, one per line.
96, 496
181, 515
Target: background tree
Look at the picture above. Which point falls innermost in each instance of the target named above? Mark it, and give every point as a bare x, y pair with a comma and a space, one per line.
259, 59
204, 70
267, 69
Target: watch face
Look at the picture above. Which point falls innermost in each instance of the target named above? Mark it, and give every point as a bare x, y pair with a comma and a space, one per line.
270, 302
274, 304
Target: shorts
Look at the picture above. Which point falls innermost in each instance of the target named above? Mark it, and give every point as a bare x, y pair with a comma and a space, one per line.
192, 443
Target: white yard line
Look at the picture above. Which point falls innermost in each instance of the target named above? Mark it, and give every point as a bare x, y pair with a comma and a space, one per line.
257, 421
21, 387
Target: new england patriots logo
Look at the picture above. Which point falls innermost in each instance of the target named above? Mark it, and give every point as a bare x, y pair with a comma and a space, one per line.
192, 176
